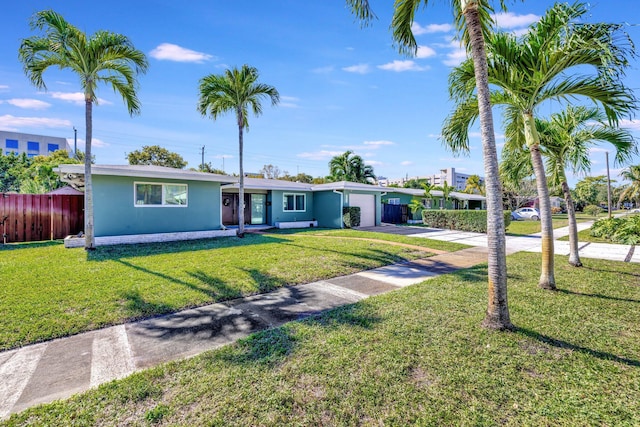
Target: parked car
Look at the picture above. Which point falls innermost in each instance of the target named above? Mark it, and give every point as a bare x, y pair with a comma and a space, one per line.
515, 216
528, 213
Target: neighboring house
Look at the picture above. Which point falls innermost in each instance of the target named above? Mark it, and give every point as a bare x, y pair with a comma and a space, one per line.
403, 196
283, 204
32, 145
133, 200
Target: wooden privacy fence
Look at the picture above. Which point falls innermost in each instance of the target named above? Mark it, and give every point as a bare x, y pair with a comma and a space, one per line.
34, 217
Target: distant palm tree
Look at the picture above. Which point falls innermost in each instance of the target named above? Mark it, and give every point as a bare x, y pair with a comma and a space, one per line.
474, 185
545, 64
446, 193
236, 90
104, 57
473, 20
632, 191
565, 141
350, 167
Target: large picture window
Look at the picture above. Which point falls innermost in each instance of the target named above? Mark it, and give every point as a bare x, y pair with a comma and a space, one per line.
294, 202
157, 194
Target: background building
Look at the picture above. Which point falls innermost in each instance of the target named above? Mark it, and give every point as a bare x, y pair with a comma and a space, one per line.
32, 145
453, 178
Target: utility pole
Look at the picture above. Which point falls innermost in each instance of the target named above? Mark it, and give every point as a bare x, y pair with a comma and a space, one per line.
75, 142
608, 185
202, 164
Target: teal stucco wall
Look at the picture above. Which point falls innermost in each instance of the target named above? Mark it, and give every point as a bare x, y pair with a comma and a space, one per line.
115, 213
405, 199
278, 214
328, 209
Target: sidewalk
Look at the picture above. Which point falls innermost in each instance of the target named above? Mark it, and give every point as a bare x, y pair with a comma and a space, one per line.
57, 369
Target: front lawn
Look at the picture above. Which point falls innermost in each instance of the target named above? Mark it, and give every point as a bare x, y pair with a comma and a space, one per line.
523, 228
416, 356
48, 291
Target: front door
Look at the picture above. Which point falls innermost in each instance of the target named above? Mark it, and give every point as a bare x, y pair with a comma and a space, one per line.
230, 209
258, 209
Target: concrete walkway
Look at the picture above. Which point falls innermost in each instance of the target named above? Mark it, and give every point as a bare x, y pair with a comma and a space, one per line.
57, 369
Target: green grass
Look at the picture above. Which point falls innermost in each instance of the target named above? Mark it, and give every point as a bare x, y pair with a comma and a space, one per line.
49, 291
585, 236
523, 228
416, 356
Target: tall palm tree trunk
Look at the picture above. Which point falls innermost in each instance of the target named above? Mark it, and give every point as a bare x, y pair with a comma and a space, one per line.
90, 240
497, 316
547, 277
574, 256
241, 184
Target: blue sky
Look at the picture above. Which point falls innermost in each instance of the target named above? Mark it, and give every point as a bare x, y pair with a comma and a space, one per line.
342, 87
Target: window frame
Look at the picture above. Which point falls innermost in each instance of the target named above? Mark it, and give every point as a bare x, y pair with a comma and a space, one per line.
295, 204
163, 203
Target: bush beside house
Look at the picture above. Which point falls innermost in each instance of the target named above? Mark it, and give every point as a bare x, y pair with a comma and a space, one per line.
351, 216
463, 220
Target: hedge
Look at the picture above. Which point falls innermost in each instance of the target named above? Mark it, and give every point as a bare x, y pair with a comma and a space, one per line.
463, 220
351, 216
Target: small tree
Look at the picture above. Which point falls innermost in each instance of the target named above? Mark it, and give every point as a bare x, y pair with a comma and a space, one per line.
157, 156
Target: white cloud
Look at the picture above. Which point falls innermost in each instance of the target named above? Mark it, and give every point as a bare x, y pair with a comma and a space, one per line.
223, 156
75, 97
376, 144
406, 163
511, 20
173, 52
358, 69
289, 102
399, 66
630, 124
4, 87
13, 123
323, 70
455, 57
320, 155
33, 104
431, 28
425, 52
373, 162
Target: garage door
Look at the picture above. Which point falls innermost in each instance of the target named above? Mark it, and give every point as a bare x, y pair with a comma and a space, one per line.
367, 204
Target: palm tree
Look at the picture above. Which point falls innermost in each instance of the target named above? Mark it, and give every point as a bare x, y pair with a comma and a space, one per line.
104, 57
473, 21
350, 167
565, 141
236, 90
446, 193
529, 70
474, 185
632, 191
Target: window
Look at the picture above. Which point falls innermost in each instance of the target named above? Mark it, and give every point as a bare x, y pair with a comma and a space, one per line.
294, 202
52, 147
394, 201
33, 146
152, 194
12, 143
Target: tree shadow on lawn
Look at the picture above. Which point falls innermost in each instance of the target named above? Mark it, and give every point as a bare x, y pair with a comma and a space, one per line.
116, 252
602, 355
600, 270
258, 322
606, 297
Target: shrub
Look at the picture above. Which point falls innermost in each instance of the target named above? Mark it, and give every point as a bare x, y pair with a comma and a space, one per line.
556, 210
351, 216
463, 220
618, 230
592, 210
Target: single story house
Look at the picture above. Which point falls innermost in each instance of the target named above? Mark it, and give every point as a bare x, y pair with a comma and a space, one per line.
286, 204
161, 203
